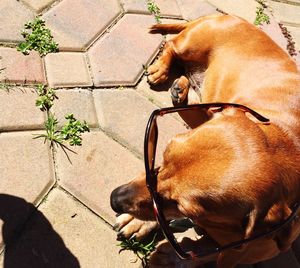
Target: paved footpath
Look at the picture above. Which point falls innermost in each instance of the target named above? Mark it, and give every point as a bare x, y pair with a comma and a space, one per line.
54, 211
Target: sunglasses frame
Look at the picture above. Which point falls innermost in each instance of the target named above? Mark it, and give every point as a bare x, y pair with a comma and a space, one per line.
151, 181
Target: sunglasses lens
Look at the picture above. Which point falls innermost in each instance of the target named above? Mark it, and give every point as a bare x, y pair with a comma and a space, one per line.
152, 144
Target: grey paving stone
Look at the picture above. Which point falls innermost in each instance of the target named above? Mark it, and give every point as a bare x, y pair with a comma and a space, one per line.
167, 7
243, 8
10, 29
26, 172
99, 166
194, 9
18, 68
285, 12
38, 5
67, 69
117, 57
79, 102
64, 233
295, 32
160, 97
18, 110
75, 24
127, 120
135, 6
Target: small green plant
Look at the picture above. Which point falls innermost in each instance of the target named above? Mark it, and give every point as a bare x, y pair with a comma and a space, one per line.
52, 133
37, 38
141, 250
154, 9
46, 97
261, 16
72, 130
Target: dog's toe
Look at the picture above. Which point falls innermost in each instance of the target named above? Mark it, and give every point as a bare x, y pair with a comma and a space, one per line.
176, 92
129, 227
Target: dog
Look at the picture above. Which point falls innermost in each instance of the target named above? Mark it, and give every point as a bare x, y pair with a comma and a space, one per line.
230, 174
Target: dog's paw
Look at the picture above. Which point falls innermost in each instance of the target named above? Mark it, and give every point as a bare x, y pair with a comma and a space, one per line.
129, 227
157, 73
165, 257
180, 89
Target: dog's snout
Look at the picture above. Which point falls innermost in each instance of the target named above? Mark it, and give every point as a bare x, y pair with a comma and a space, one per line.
118, 199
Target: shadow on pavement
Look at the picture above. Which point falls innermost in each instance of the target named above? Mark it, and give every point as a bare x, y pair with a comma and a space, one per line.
31, 243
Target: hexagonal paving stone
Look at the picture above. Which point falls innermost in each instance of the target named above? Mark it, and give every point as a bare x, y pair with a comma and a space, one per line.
67, 69
99, 166
38, 5
117, 58
64, 233
194, 9
18, 110
167, 7
10, 29
26, 172
79, 102
20, 69
286, 12
243, 8
75, 24
128, 121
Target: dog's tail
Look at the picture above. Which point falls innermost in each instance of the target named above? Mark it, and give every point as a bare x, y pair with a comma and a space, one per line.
168, 28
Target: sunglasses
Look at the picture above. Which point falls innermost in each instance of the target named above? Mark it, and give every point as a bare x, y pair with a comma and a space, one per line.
150, 144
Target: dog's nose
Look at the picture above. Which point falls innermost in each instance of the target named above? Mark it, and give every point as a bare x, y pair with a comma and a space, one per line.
118, 199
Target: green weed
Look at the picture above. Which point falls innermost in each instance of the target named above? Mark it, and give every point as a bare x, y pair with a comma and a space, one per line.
46, 97
37, 38
261, 16
154, 10
141, 250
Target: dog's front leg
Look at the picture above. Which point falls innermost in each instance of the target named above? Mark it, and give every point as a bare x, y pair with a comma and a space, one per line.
159, 71
129, 227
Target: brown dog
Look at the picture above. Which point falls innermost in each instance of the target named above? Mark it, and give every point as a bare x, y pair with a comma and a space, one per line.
231, 174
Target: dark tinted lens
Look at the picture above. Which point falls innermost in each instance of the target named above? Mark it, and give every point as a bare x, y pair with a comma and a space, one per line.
152, 144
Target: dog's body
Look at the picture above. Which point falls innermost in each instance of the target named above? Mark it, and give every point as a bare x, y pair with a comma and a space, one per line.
231, 174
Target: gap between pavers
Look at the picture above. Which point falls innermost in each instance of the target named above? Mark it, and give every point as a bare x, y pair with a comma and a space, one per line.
64, 233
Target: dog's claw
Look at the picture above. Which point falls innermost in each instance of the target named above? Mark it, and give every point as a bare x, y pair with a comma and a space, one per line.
120, 235
132, 237
116, 227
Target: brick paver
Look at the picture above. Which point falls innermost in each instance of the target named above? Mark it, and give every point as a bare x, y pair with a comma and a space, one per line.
75, 24
38, 5
18, 110
128, 122
67, 69
99, 166
26, 172
285, 12
194, 9
243, 8
13, 17
79, 102
117, 58
63, 233
17, 68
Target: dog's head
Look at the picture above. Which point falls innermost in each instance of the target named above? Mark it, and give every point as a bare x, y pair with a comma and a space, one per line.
197, 166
